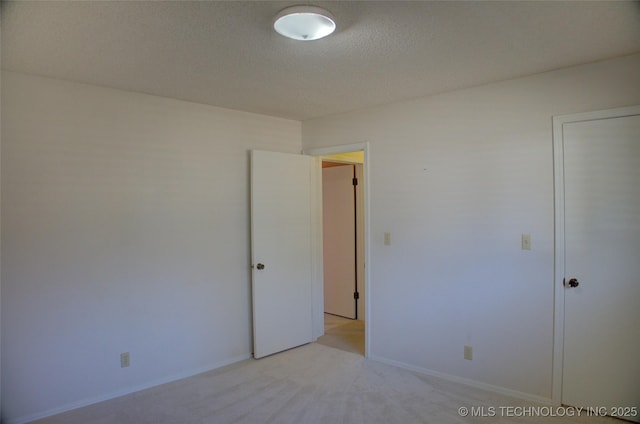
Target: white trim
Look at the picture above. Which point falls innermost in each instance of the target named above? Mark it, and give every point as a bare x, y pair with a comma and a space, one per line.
558, 310
559, 265
345, 148
466, 381
123, 392
598, 114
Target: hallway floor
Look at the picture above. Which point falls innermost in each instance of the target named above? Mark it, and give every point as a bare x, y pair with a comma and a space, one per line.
343, 333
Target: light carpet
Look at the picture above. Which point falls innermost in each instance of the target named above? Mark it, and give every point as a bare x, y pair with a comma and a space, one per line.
344, 334
311, 384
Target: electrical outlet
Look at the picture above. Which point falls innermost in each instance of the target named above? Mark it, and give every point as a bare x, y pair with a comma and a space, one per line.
125, 360
468, 353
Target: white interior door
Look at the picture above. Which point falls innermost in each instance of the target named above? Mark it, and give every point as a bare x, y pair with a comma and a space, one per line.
602, 252
339, 238
281, 251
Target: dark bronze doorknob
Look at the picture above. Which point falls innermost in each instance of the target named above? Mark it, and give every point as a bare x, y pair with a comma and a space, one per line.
573, 282
260, 266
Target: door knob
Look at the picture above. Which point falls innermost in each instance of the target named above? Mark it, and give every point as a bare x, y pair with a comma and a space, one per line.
260, 266
573, 282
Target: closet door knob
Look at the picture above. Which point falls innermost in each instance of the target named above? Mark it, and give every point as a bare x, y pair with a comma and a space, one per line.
573, 282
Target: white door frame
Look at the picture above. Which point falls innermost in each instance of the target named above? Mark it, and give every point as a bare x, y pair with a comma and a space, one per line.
346, 148
558, 171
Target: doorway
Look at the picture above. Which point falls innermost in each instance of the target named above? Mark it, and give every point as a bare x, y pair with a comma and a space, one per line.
345, 328
343, 245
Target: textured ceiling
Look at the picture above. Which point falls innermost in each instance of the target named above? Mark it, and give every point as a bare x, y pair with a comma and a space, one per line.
226, 53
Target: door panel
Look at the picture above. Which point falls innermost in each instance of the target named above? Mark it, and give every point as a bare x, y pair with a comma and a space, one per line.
338, 215
281, 241
602, 251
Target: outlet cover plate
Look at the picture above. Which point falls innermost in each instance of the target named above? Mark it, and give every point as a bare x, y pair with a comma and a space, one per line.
468, 353
125, 360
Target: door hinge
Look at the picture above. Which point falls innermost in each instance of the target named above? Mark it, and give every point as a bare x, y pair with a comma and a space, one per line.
355, 181
356, 295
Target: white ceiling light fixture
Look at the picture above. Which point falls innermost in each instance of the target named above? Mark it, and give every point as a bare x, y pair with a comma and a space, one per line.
304, 23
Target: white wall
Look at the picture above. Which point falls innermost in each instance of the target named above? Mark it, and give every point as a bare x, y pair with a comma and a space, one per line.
125, 228
456, 178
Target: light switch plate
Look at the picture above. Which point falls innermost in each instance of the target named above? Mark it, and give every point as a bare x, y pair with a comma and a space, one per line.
526, 241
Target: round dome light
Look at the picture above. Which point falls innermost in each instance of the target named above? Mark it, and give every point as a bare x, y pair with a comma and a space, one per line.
304, 23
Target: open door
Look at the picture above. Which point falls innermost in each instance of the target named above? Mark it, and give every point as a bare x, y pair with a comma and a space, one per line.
281, 249
339, 238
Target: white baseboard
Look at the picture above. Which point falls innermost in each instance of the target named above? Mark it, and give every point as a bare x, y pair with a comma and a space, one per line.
125, 391
466, 381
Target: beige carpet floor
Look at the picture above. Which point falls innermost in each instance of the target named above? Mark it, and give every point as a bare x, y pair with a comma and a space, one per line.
311, 384
343, 333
